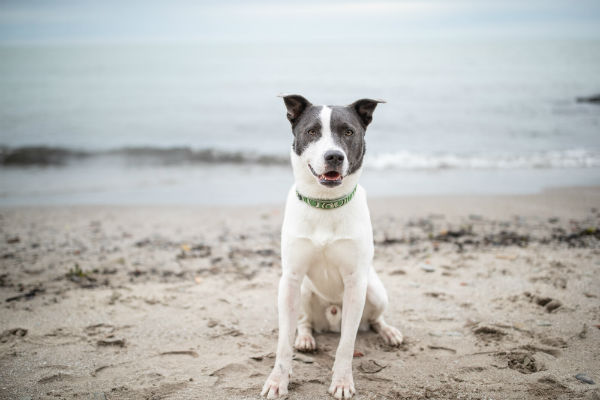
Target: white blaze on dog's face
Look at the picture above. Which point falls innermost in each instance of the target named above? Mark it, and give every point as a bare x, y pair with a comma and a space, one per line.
329, 141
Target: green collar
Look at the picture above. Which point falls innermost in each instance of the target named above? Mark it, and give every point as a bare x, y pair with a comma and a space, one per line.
327, 204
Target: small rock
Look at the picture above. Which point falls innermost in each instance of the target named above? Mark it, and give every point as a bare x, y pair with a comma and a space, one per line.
111, 342
370, 367
212, 323
262, 356
553, 305
427, 267
180, 352
303, 358
486, 330
9, 334
583, 333
585, 379
398, 272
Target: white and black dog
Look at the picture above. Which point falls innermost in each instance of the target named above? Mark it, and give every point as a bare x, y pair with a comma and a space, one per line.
328, 281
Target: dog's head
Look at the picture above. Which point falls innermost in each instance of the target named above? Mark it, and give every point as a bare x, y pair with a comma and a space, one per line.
329, 141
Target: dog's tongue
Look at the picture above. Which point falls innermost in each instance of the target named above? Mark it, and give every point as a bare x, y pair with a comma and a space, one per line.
331, 176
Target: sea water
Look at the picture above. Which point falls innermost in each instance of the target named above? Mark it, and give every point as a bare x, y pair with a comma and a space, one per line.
200, 123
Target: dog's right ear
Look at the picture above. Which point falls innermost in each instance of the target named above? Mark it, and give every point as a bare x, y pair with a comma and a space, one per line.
295, 105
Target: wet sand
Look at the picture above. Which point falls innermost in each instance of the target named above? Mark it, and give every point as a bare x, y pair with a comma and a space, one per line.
497, 297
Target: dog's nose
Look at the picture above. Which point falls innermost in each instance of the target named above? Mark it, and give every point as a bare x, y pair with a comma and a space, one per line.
334, 157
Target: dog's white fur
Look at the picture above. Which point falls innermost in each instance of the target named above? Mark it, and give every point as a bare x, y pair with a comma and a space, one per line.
327, 265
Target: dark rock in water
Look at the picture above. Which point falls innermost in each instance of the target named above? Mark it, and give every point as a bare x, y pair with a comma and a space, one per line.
585, 379
589, 99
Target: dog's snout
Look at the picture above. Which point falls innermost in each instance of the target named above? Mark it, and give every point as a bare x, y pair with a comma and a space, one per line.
334, 157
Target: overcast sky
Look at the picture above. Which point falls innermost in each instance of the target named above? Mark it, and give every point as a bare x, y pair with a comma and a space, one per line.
306, 21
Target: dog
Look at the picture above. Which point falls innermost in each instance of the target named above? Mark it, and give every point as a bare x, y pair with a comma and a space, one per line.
328, 282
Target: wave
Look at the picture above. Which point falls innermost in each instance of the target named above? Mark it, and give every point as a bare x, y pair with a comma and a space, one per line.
56, 156
574, 158
402, 160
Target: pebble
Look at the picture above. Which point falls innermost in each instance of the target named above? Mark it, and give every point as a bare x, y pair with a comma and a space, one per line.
427, 268
585, 379
303, 358
370, 367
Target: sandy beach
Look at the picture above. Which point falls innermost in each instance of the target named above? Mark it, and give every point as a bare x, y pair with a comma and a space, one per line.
498, 297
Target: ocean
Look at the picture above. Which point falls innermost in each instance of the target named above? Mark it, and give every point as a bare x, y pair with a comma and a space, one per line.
201, 123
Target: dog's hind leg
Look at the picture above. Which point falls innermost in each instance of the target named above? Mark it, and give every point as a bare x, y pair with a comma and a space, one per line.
305, 340
377, 301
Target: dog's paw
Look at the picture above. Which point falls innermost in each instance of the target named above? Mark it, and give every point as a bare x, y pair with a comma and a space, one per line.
276, 384
342, 386
305, 343
391, 335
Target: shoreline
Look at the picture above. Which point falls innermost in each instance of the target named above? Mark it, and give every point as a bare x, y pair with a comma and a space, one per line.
573, 198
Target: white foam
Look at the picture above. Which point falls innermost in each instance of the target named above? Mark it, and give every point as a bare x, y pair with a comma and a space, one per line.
574, 158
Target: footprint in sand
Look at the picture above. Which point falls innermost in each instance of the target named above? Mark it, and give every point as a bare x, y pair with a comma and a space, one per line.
234, 372
548, 303
523, 362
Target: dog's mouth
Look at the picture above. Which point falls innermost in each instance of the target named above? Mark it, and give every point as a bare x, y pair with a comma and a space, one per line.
329, 178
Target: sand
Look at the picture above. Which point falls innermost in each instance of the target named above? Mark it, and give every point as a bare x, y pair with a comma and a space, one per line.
497, 296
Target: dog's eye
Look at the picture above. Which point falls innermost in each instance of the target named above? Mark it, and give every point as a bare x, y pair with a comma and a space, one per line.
312, 132
348, 132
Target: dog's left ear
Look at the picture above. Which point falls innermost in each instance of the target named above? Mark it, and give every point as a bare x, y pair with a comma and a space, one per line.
364, 108
295, 105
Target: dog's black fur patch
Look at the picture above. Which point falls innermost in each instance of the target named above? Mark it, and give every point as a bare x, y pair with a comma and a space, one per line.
342, 120
308, 121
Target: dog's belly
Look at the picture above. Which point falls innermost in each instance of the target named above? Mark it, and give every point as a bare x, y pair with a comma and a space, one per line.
325, 271
326, 282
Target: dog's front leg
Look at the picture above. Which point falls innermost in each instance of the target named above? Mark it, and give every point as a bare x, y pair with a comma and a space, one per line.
355, 293
288, 303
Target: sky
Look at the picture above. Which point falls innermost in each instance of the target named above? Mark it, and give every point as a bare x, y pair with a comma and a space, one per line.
38, 21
